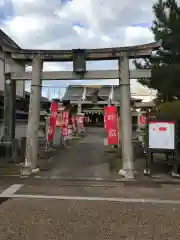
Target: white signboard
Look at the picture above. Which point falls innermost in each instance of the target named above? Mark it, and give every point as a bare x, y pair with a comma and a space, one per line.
162, 135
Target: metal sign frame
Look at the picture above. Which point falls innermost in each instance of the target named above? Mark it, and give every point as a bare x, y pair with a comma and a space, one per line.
150, 151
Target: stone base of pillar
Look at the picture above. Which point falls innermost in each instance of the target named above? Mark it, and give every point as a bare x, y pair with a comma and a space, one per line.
147, 172
175, 175
27, 171
128, 174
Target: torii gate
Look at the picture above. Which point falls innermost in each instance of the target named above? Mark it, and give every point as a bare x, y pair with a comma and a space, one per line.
79, 58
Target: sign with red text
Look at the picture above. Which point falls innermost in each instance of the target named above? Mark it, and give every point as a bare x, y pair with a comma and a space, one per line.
111, 125
52, 121
161, 135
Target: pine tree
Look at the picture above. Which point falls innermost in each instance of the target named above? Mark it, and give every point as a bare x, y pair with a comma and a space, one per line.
165, 72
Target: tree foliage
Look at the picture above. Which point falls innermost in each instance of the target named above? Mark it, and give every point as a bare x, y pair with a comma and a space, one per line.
170, 109
165, 72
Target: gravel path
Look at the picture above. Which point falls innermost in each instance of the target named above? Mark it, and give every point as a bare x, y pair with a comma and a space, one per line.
22, 219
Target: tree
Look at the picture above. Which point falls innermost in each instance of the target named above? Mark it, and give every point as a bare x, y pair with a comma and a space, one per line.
165, 72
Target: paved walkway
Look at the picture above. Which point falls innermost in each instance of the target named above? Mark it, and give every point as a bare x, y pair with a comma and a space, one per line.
85, 159
42, 211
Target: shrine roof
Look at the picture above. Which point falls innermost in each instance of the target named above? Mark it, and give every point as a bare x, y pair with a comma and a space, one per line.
6, 41
75, 93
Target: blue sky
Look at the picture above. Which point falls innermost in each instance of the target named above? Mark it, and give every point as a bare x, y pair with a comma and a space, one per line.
68, 24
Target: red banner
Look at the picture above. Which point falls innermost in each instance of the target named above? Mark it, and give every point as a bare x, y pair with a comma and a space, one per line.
111, 124
143, 119
73, 119
65, 117
52, 121
81, 122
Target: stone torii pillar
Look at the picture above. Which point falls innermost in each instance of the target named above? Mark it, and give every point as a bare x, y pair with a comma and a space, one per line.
31, 156
125, 118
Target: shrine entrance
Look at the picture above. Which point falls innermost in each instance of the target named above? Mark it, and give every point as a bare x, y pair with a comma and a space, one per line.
86, 141
79, 58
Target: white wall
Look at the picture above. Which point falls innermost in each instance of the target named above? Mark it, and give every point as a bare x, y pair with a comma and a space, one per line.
21, 129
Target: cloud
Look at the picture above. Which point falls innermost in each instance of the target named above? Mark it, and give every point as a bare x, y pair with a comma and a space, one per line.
56, 24
67, 24
6, 10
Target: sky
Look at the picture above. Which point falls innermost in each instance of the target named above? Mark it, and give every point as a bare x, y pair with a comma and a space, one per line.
68, 24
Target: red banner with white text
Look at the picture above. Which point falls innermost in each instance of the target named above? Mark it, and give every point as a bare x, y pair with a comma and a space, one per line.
52, 121
65, 117
111, 125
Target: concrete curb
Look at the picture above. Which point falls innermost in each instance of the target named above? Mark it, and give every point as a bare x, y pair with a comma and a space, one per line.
120, 180
95, 179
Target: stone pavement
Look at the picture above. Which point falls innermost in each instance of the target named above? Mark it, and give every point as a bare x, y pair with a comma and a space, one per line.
41, 210
84, 159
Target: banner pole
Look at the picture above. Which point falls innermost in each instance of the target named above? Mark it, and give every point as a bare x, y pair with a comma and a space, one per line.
47, 131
